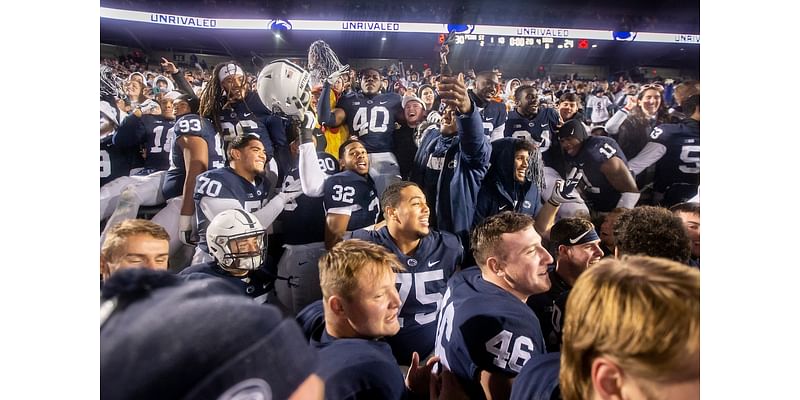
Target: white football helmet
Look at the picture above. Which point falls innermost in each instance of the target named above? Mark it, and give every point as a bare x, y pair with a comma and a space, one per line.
229, 240
284, 87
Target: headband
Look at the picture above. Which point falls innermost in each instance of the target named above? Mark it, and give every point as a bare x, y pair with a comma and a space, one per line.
228, 70
585, 237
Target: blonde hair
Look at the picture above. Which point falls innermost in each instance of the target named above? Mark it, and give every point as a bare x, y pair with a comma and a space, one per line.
643, 312
340, 268
119, 234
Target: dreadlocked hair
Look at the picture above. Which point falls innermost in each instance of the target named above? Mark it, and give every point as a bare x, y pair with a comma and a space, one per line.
322, 61
212, 98
535, 172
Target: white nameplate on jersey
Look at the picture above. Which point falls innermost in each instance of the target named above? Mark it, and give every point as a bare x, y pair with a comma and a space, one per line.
436, 163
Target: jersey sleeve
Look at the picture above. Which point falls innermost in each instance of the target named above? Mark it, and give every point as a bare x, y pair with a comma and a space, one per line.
339, 196
130, 133
501, 343
606, 149
190, 125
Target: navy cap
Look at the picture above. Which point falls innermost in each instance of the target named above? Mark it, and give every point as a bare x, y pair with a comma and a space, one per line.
196, 340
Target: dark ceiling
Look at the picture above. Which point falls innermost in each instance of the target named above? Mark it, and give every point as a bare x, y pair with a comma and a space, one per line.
683, 18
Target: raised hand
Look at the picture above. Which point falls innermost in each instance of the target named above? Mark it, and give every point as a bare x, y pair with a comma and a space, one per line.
564, 190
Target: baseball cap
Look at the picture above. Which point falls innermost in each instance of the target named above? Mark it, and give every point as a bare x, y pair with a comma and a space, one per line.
412, 97
168, 338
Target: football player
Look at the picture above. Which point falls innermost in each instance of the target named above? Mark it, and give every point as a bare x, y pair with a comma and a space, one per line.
196, 148
526, 121
577, 247
621, 335
430, 259
493, 113
234, 110
153, 134
675, 151
351, 200
607, 182
115, 161
283, 87
486, 333
237, 241
134, 243
241, 185
303, 227
361, 306
372, 117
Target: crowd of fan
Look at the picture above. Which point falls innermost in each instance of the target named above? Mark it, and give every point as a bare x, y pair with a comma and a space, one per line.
511, 272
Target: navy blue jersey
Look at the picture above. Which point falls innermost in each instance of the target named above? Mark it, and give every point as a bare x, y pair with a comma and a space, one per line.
359, 369
248, 116
225, 183
549, 307
421, 288
312, 321
152, 133
538, 379
303, 219
117, 161
681, 162
484, 328
194, 125
540, 129
255, 284
350, 193
494, 115
595, 150
372, 119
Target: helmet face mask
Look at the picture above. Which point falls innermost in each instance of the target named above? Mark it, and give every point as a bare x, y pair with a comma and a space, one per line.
243, 252
237, 240
110, 83
284, 88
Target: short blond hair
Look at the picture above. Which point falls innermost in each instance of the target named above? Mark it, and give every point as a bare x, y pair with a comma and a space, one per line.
119, 234
643, 312
340, 268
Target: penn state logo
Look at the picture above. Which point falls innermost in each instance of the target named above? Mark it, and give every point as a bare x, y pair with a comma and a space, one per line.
460, 28
624, 36
279, 25
530, 124
526, 204
258, 193
369, 101
412, 262
451, 164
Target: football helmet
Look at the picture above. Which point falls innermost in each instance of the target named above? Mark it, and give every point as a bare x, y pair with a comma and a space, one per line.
110, 84
237, 240
284, 87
